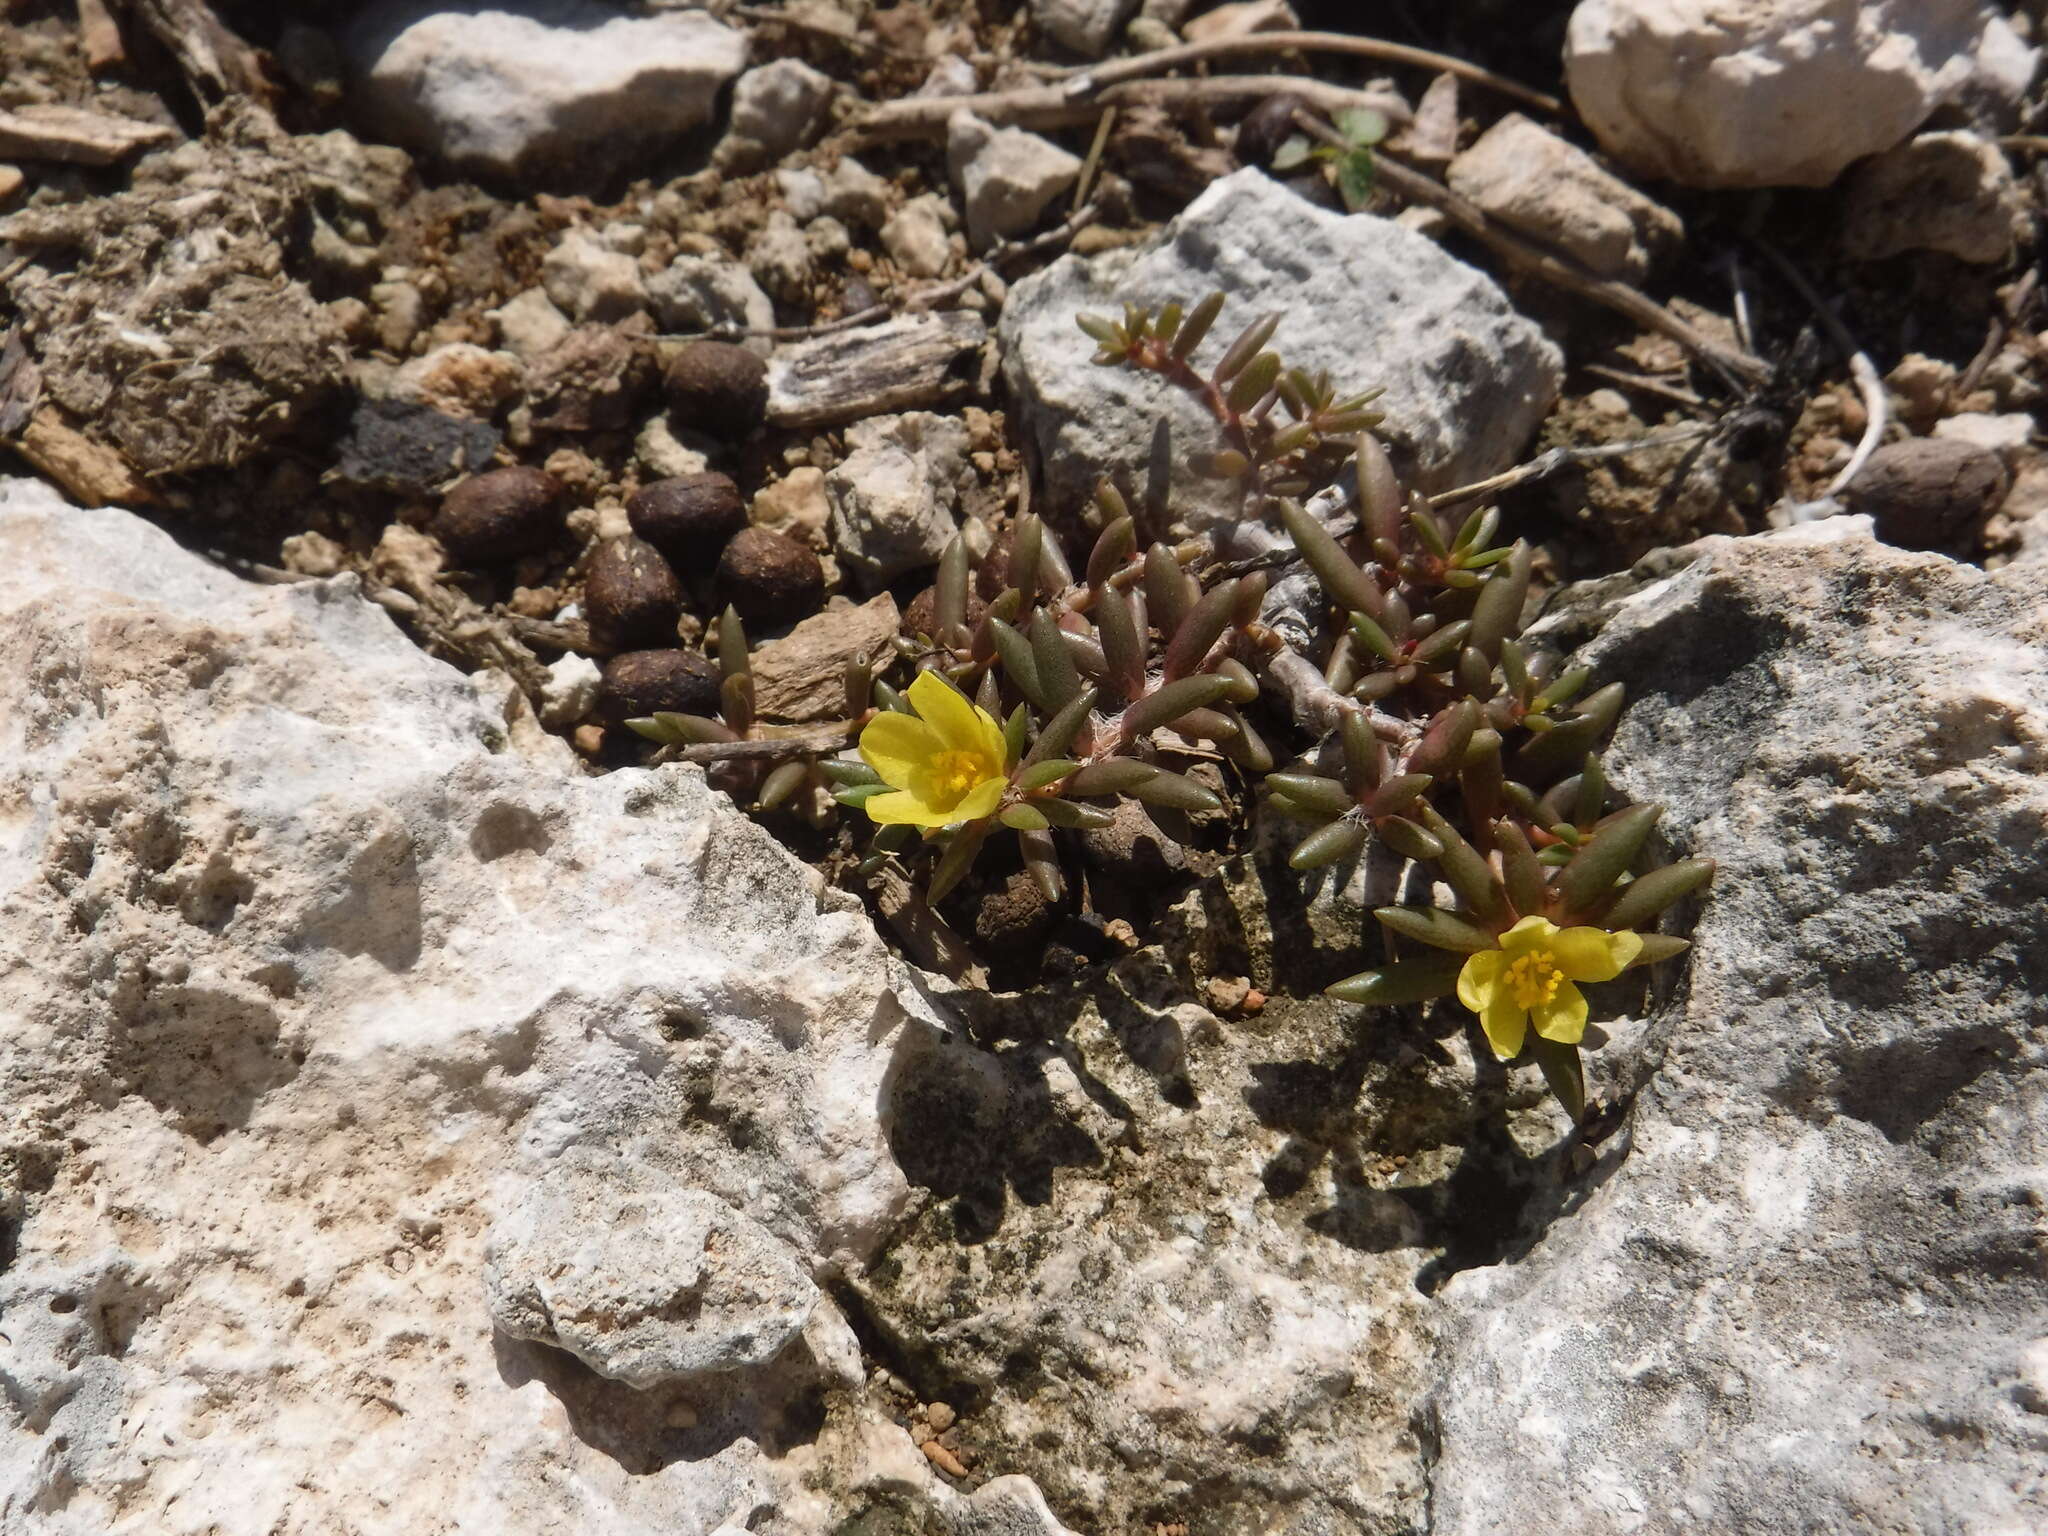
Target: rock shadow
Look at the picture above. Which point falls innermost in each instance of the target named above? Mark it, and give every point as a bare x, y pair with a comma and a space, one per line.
645, 1431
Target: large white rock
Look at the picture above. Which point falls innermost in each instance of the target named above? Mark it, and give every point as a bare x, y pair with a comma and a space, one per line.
1802, 1287
552, 91
1761, 93
308, 976
1467, 379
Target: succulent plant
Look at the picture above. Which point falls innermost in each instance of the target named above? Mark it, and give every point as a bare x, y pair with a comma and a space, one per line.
1439, 733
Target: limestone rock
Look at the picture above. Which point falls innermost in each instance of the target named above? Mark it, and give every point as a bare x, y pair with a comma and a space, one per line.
1006, 176
1799, 1288
855, 195
554, 92
1948, 192
588, 281
643, 1282
1534, 181
1764, 93
703, 293
915, 236
776, 107
1466, 378
780, 258
1087, 27
528, 323
896, 493
310, 976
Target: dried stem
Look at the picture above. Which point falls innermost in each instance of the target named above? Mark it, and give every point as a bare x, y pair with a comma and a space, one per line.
1306, 42
1052, 106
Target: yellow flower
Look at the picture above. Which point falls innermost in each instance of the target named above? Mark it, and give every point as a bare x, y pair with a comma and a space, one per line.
944, 766
1532, 974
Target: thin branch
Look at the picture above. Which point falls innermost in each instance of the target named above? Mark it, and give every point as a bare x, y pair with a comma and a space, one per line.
1052, 106
1648, 385
824, 739
2009, 315
1551, 266
1306, 42
1546, 464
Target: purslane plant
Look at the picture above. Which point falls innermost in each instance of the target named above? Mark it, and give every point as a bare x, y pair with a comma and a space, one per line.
1444, 742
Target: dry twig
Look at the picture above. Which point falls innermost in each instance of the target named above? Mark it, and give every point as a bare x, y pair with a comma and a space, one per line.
1099, 75
1876, 404
1052, 106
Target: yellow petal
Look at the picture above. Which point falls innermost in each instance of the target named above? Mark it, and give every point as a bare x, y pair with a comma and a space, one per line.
1505, 1023
900, 808
1563, 1018
1593, 954
958, 724
897, 747
1530, 933
981, 800
1479, 978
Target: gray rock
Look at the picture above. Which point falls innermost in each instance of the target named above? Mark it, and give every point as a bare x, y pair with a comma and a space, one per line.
779, 258
1006, 176
702, 293
895, 495
915, 236
528, 323
1466, 378
553, 92
1948, 192
587, 280
803, 192
1763, 93
644, 1282
776, 108
1532, 180
1087, 27
1801, 1290
855, 195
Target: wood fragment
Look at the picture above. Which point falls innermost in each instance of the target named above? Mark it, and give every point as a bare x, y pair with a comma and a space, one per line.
215, 62
1053, 106
83, 468
1310, 42
99, 36
76, 135
906, 364
923, 933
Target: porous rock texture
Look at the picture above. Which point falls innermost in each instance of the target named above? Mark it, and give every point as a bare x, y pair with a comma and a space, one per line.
1766, 93
553, 92
1803, 1288
1466, 378
310, 978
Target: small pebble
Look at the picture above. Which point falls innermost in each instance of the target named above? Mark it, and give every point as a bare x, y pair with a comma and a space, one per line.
500, 515
1929, 492
719, 388
689, 518
768, 576
642, 682
632, 597
940, 1416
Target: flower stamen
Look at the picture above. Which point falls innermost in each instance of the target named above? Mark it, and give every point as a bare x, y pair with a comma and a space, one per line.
1535, 978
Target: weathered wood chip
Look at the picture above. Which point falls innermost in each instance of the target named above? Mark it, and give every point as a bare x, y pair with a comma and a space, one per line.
76, 134
910, 363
